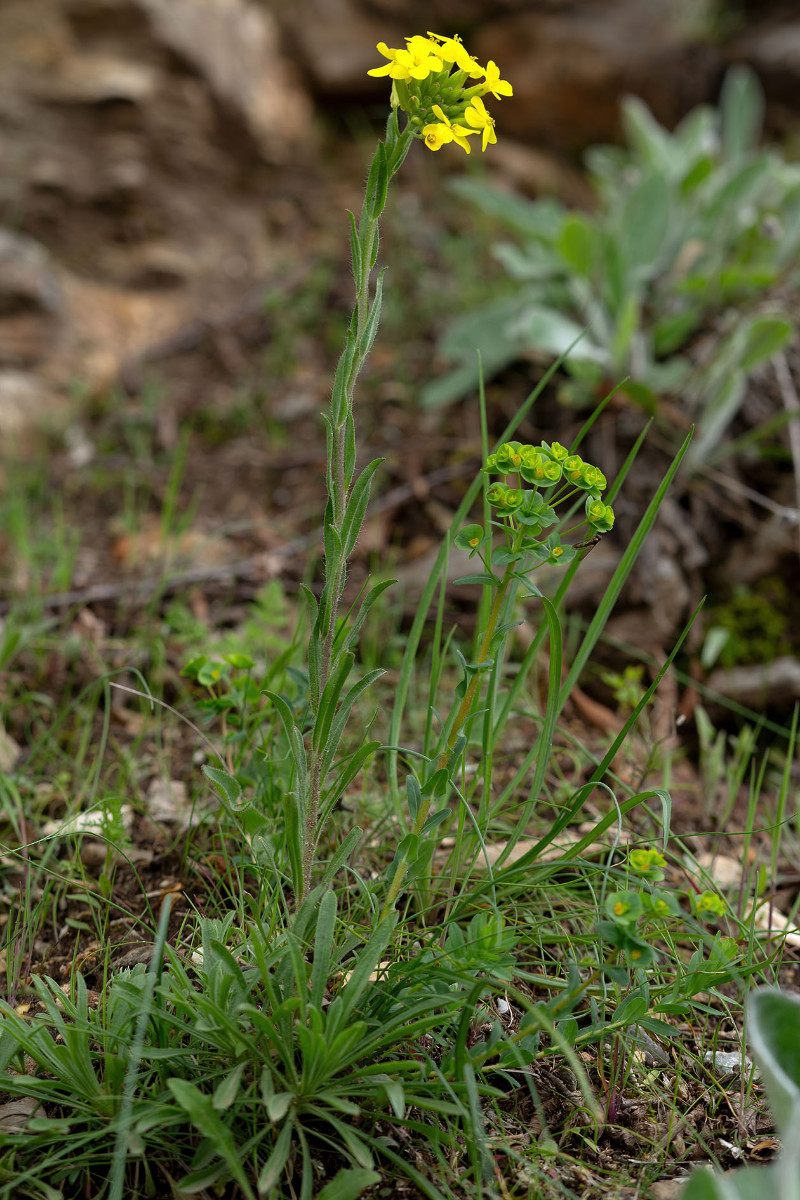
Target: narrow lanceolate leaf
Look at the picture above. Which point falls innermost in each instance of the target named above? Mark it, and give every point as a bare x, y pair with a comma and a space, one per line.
349, 1183
294, 811
323, 949
377, 183
355, 627
332, 543
200, 1111
341, 1008
348, 768
330, 699
357, 506
228, 1089
343, 370
341, 856
314, 646
273, 1167
349, 450
333, 735
227, 784
293, 735
414, 795
355, 252
373, 320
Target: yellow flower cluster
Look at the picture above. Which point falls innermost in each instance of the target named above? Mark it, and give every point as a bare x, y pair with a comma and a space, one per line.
440, 87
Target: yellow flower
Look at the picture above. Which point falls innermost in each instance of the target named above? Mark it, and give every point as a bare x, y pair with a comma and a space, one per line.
494, 84
444, 131
387, 68
416, 62
477, 116
451, 50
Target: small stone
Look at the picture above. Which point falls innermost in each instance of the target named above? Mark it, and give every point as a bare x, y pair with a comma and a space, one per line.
724, 1064
98, 79
27, 281
24, 402
167, 800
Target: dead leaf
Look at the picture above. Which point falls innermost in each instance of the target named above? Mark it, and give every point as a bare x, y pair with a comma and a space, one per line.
15, 1114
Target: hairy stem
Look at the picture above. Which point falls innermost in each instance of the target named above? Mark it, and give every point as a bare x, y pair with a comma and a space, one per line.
339, 490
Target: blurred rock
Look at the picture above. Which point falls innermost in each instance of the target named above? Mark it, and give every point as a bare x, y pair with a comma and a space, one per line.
31, 310
25, 400
97, 79
776, 683
109, 325
570, 68
446, 16
34, 34
26, 278
234, 45
538, 172
167, 801
335, 41
774, 53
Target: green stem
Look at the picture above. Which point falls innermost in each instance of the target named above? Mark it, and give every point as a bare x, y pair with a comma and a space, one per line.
339, 484
464, 708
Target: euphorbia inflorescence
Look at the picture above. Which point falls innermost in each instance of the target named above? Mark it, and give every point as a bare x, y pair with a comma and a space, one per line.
541, 477
441, 88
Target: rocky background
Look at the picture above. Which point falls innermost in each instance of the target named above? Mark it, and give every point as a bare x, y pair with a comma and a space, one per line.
173, 170
143, 141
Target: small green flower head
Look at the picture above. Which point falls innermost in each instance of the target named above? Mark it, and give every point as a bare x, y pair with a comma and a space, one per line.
490, 466
439, 86
599, 516
649, 863
470, 538
531, 461
495, 494
710, 903
624, 908
512, 499
573, 468
551, 472
660, 908
556, 451
593, 479
509, 457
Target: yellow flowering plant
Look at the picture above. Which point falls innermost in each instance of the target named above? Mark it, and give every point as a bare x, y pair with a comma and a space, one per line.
440, 88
